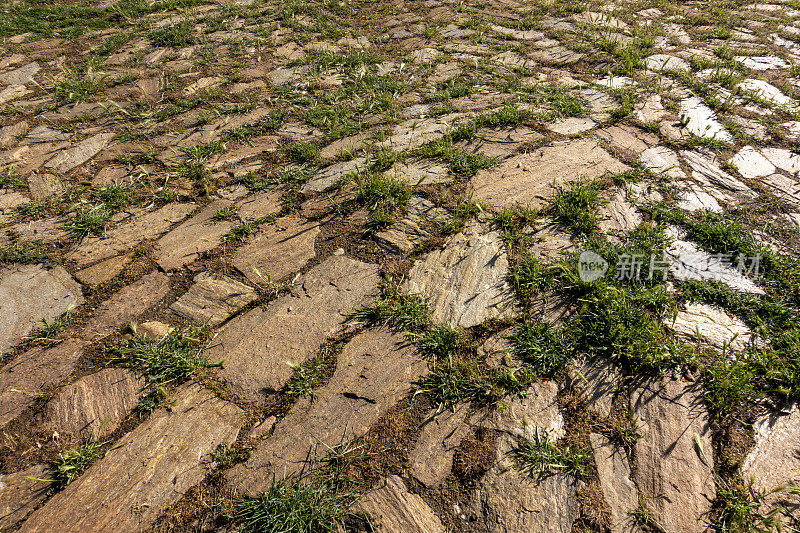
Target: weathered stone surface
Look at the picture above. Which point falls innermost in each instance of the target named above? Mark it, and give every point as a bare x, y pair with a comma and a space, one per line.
27, 376
551, 243
413, 133
712, 326
774, 462
405, 234
147, 471
784, 187
212, 300
650, 110
673, 474
535, 413
194, 237
723, 186
104, 399
70, 158
571, 126
31, 294
423, 172
763, 62
259, 205
256, 346
694, 198
701, 121
103, 271
126, 305
619, 215
465, 282
141, 227
279, 250
442, 432
528, 178
21, 75
21, 492
393, 509
752, 164
615, 481
628, 139
782, 158
766, 91
687, 261
507, 501
327, 178
596, 380
558, 55
374, 371
663, 62
10, 132
44, 186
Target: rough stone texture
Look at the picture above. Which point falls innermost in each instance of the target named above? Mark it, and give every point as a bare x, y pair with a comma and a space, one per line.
673, 474
705, 169
507, 501
528, 178
627, 139
44, 186
31, 294
278, 251
30, 374
619, 215
442, 432
596, 381
535, 413
465, 282
259, 205
327, 178
194, 237
104, 399
256, 346
393, 509
687, 261
413, 133
142, 226
712, 326
663, 62
81, 153
423, 172
103, 271
212, 300
147, 471
20, 494
751, 164
615, 481
374, 371
126, 305
700, 120
774, 460
410, 231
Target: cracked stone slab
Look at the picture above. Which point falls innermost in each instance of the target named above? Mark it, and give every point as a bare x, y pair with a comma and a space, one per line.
424, 172
769, 92
662, 160
666, 63
405, 234
256, 346
441, 434
212, 300
415, 132
374, 371
723, 186
773, 462
95, 404
688, 262
762, 63
615, 482
465, 282
784, 187
21, 492
507, 500
393, 509
30, 374
279, 250
192, 238
126, 236
712, 326
176, 444
21, 75
70, 158
700, 120
528, 179
752, 164
329, 176
536, 412
31, 296
674, 475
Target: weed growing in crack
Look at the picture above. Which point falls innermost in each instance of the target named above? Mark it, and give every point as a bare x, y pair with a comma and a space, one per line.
543, 348
542, 458
90, 221
575, 206
306, 377
71, 464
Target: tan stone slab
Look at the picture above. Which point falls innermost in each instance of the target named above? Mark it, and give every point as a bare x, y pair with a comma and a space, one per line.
211, 300
194, 237
30, 374
393, 509
674, 476
431, 459
615, 481
95, 404
21, 492
256, 346
140, 227
31, 294
374, 371
279, 250
528, 179
148, 470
